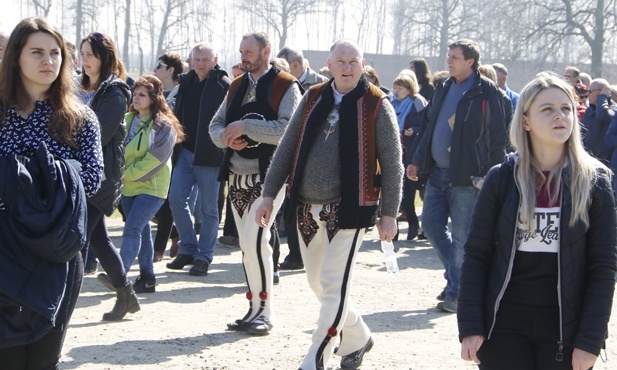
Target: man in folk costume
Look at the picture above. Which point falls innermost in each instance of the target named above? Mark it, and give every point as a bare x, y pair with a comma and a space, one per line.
249, 124
340, 151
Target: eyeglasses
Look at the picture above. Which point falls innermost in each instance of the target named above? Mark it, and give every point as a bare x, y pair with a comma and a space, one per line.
159, 65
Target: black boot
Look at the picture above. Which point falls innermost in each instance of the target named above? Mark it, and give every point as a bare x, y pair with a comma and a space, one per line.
126, 302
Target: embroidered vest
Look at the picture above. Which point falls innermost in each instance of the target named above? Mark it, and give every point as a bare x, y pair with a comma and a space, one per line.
360, 171
269, 92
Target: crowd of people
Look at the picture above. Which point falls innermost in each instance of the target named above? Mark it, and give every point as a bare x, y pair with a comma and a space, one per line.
517, 190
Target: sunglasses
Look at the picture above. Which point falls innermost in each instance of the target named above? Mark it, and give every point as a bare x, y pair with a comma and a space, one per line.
159, 65
97, 36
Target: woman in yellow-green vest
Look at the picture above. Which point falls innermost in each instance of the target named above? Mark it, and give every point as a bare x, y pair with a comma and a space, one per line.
152, 132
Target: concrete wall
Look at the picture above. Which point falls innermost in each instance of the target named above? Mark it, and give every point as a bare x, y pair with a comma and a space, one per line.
519, 72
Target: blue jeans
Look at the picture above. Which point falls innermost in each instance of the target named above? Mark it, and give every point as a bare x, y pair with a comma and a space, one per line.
184, 177
441, 201
137, 237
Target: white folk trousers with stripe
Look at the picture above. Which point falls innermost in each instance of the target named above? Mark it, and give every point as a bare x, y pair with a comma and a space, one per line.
329, 256
245, 196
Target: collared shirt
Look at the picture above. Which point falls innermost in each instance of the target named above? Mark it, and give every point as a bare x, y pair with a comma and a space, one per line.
303, 77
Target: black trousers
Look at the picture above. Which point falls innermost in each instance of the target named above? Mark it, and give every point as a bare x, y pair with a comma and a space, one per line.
43, 354
528, 343
165, 228
292, 236
105, 250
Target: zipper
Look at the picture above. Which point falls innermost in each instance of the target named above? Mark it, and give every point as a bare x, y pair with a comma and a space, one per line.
559, 354
139, 142
510, 265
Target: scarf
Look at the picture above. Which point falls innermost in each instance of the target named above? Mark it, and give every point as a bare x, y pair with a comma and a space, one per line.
402, 109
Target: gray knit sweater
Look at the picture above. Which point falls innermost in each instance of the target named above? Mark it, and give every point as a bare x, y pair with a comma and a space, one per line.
321, 181
268, 132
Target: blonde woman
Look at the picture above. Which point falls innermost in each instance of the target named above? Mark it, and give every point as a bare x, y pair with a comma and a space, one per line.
538, 272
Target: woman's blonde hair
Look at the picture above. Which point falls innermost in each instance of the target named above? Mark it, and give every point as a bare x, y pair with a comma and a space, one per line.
407, 79
529, 177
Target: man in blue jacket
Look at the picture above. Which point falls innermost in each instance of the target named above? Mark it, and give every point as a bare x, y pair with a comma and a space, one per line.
596, 120
465, 136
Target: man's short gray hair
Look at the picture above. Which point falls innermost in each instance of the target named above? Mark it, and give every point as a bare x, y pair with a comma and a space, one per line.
203, 46
348, 43
291, 55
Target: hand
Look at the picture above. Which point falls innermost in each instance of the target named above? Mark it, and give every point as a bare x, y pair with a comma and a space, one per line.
470, 347
387, 228
408, 132
264, 212
232, 132
412, 172
238, 144
582, 360
606, 91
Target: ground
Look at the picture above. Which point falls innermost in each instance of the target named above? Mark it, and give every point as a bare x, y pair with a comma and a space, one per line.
183, 324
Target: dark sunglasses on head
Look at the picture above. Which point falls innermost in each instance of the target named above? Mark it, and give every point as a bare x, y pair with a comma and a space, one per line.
159, 65
97, 36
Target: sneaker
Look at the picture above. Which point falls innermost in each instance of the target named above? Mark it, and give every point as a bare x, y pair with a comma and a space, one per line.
180, 261
276, 279
144, 284
421, 236
442, 296
230, 241
354, 359
200, 268
450, 305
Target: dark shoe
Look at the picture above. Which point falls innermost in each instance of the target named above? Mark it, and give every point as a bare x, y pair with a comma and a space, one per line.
450, 305
276, 279
106, 281
260, 326
179, 262
412, 233
238, 325
145, 284
175, 248
126, 302
158, 256
291, 265
200, 268
421, 236
91, 267
354, 359
442, 296
230, 241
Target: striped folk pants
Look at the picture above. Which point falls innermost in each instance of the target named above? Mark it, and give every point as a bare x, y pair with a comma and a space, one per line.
329, 256
245, 196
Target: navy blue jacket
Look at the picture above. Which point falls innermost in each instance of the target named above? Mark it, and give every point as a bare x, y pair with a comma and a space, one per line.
479, 135
42, 229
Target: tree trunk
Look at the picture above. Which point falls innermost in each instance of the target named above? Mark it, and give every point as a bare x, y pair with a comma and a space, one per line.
127, 34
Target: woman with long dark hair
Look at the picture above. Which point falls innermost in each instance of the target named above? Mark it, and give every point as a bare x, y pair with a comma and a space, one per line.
38, 105
152, 132
538, 273
104, 90
423, 73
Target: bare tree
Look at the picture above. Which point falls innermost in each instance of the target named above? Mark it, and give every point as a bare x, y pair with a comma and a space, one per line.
280, 15
590, 23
